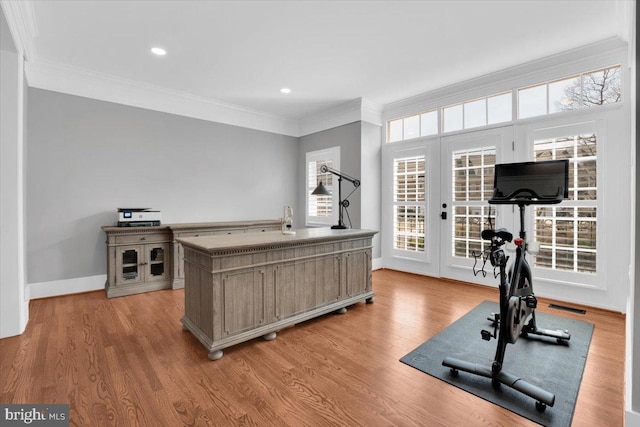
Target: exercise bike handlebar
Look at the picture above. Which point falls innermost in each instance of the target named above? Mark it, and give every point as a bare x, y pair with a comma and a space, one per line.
525, 196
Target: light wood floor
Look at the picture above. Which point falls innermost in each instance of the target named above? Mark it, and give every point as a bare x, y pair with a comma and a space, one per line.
126, 361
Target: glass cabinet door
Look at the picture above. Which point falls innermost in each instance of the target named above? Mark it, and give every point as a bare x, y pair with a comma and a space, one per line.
156, 266
128, 265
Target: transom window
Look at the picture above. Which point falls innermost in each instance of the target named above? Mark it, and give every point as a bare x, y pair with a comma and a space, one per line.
409, 208
479, 112
584, 90
423, 124
567, 233
571, 93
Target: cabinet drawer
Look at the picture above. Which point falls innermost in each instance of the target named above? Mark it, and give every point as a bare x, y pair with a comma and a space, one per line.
263, 229
230, 231
141, 238
193, 234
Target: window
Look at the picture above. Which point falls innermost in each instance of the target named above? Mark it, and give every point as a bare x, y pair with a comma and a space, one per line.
571, 93
602, 87
476, 113
472, 187
532, 102
499, 108
415, 126
564, 95
452, 118
567, 233
321, 210
584, 90
409, 203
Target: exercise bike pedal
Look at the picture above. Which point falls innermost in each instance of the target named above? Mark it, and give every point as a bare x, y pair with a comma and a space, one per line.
531, 301
486, 335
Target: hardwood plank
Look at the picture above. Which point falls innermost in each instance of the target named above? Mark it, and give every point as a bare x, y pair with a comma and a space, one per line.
126, 361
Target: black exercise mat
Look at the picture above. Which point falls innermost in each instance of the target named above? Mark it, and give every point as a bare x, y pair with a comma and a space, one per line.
539, 360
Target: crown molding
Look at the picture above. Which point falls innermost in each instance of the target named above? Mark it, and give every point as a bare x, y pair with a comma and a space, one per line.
21, 19
76, 81
358, 109
371, 112
63, 78
625, 13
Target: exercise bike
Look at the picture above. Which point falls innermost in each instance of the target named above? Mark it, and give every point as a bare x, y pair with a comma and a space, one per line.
521, 184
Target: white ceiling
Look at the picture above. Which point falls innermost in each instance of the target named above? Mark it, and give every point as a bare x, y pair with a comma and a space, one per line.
328, 52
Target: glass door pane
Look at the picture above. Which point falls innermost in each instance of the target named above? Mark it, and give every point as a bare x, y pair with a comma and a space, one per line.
156, 266
128, 265
472, 186
156, 262
568, 233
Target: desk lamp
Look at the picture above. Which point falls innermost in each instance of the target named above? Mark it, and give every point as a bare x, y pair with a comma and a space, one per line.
321, 190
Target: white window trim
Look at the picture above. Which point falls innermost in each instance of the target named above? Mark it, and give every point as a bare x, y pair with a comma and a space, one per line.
332, 154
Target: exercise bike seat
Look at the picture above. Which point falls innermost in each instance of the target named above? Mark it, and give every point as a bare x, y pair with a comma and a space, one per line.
500, 233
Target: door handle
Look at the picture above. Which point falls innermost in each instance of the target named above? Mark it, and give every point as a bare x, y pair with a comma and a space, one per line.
443, 215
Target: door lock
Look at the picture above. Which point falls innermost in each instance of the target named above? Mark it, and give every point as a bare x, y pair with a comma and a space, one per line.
443, 215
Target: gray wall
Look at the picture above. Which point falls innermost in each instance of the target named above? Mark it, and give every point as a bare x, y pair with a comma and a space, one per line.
86, 158
348, 138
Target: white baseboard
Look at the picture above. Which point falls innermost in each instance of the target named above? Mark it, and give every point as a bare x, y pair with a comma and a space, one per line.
91, 283
632, 419
64, 287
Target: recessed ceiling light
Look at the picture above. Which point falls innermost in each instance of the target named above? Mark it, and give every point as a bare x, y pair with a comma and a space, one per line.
285, 90
158, 51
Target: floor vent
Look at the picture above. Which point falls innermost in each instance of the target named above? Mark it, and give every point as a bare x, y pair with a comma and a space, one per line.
565, 308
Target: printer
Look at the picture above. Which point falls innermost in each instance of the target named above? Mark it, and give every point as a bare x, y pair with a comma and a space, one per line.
138, 217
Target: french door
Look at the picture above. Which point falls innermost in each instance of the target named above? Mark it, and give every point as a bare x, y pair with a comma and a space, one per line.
433, 228
411, 196
466, 177
436, 202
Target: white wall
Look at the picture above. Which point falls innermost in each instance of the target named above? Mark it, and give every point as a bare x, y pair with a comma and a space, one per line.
370, 176
14, 309
632, 405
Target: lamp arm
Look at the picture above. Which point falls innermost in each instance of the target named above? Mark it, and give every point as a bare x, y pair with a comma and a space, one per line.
354, 181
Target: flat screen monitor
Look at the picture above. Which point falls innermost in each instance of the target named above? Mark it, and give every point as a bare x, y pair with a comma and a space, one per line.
537, 182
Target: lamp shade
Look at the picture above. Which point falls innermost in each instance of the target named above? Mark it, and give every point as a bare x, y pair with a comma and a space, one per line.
321, 190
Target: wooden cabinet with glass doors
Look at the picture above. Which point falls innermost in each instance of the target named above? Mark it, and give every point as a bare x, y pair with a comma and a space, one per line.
143, 259
138, 260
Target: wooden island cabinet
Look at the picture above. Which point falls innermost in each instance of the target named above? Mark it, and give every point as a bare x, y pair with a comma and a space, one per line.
143, 259
239, 287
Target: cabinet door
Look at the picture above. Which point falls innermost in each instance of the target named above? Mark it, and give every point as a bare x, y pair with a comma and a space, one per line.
243, 300
356, 273
156, 262
129, 260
